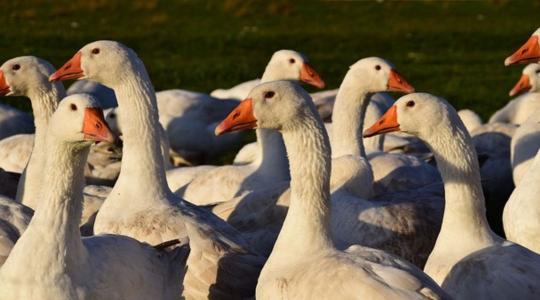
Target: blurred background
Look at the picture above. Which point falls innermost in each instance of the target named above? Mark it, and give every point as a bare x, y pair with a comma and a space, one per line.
454, 49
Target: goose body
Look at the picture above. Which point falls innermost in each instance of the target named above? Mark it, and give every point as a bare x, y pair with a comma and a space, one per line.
63, 265
521, 213
14, 121
304, 263
15, 152
484, 266
148, 210
14, 218
524, 145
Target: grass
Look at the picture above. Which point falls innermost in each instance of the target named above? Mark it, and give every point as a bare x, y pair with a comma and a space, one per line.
454, 49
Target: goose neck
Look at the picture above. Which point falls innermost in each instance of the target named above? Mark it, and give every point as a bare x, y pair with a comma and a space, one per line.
464, 214
307, 222
44, 101
349, 112
142, 162
56, 220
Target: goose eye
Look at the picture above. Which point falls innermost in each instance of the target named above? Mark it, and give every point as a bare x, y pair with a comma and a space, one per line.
377, 67
16, 67
112, 115
73, 107
410, 103
292, 61
269, 94
95, 51
537, 71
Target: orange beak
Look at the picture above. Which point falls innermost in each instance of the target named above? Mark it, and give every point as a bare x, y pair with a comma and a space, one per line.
310, 76
387, 123
240, 118
396, 83
523, 85
4, 87
94, 126
529, 52
70, 70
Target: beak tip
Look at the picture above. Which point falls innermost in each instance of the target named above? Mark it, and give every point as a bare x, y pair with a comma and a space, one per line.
508, 61
218, 131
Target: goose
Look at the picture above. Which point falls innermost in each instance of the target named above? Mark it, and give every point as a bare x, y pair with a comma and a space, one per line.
524, 145
393, 218
484, 266
520, 216
28, 76
304, 264
271, 165
141, 205
392, 171
64, 265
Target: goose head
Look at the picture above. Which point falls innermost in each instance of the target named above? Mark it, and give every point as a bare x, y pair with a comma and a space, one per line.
101, 61
21, 75
529, 80
529, 52
292, 65
273, 105
420, 114
378, 75
79, 119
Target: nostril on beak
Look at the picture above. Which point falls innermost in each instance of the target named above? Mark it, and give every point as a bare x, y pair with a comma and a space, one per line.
236, 115
524, 50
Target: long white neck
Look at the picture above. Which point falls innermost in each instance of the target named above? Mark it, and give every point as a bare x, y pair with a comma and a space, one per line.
44, 100
464, 228
349, 112
272, 161
142, 174
306, 226
51, 245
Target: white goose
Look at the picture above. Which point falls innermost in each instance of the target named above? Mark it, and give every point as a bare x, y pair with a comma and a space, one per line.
271, 165
141, 205
28, 76
391, 171
304, 263
64, 266
484, 266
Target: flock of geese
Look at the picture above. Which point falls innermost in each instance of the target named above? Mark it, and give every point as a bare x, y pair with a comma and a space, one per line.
321, 206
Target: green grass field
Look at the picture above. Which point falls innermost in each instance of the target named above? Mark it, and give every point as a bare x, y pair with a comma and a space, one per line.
452, 49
